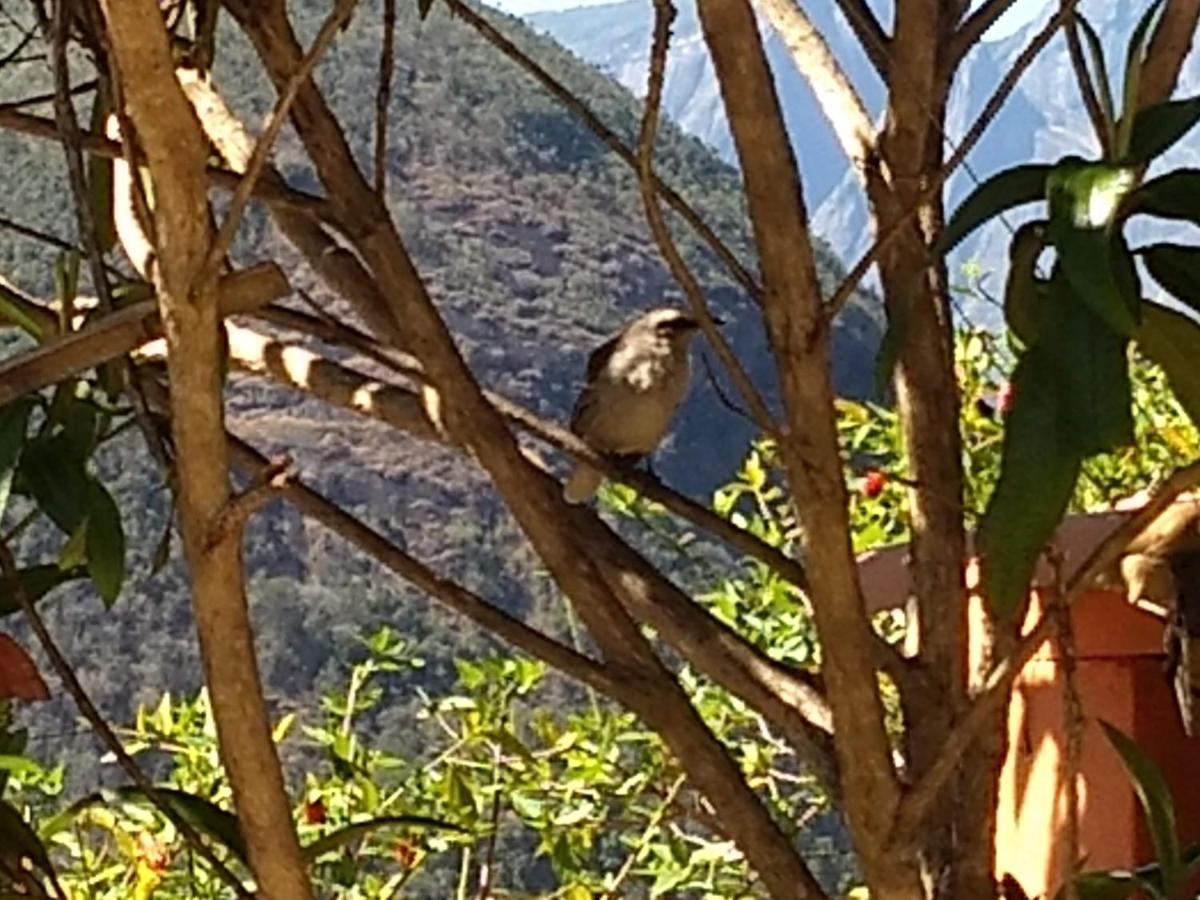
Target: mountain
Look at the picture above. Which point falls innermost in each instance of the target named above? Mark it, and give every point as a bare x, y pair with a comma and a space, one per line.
532, 240
1042, 120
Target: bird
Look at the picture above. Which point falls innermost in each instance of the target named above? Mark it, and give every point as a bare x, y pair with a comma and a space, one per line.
634, 384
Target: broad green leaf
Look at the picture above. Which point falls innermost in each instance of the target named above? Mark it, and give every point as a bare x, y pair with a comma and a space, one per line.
1039, 467
105, 542
1172, 341
1175, 195
14, 420
10, 763
1024, 301
1155, 797
356, 830
1003, 191
37, 581
1157, 128
100, 176
1090, 366
1099, 77
74, 551
1084, 199
19, 841
203, 815
1135, 57
52, 469
1177, 268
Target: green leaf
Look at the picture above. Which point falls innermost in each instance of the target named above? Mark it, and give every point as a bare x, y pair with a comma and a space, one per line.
203, 815
1172, 341
14, 420
1157, 128
105, 542
1114, 885
37, 581
52, 470
1024, 300
1090, 366
1175, 195
1155, 796
1099, 77
1003, 191
66, 280
18, 841
1135, 57
100, 177
74, 551
1177, 268
356, 830
14, 307
423, 8
1084, 199
1039, 468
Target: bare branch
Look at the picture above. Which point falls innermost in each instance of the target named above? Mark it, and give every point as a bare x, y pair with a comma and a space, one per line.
89, 711
241, 196
665, 13
918, 801
808, 446
871, 36
836, 96
387, 66
972, 29
118, 333
850, 283
265, 486
1172, 41
446, 592
176, 155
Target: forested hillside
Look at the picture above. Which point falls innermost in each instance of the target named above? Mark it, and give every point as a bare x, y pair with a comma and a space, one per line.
531, 237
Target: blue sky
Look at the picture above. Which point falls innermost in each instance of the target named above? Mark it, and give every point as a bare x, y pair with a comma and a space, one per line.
1022, 11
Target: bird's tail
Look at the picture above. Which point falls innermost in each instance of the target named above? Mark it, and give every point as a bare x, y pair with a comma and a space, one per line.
582, 484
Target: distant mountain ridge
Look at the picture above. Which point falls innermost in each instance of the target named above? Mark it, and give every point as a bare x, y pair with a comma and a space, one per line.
1042, 120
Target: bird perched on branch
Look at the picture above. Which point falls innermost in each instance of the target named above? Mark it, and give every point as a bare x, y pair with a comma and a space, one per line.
635, 382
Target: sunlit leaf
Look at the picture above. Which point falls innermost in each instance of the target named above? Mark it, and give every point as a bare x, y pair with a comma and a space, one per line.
1003, 191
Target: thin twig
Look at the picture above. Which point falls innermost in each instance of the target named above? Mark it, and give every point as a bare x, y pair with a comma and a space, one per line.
610, 139
387, 67
241, 196
88, 710
664, 15
871, 37
637, 852
973, 27
918, 801
38, 99
849, 284
265, 486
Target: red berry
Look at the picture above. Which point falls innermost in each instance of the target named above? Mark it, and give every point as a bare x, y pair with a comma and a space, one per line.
314, 812
405, 853
873, 484
1004, 399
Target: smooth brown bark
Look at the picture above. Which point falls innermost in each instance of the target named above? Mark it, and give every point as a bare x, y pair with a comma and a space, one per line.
176, 156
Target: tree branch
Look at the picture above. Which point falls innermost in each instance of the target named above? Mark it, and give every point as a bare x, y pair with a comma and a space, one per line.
383, 96
118, 333
808, 446
995, 692
871, 36
972, 29
836, 96
176, 155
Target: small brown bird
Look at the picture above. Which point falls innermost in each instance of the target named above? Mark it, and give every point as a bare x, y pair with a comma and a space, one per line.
635, 382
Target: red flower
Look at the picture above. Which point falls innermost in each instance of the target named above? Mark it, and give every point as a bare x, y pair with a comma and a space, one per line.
873, 484
405, 853
1004, 399
314, 812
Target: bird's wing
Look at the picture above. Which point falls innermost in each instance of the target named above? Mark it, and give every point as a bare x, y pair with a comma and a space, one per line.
595, 365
